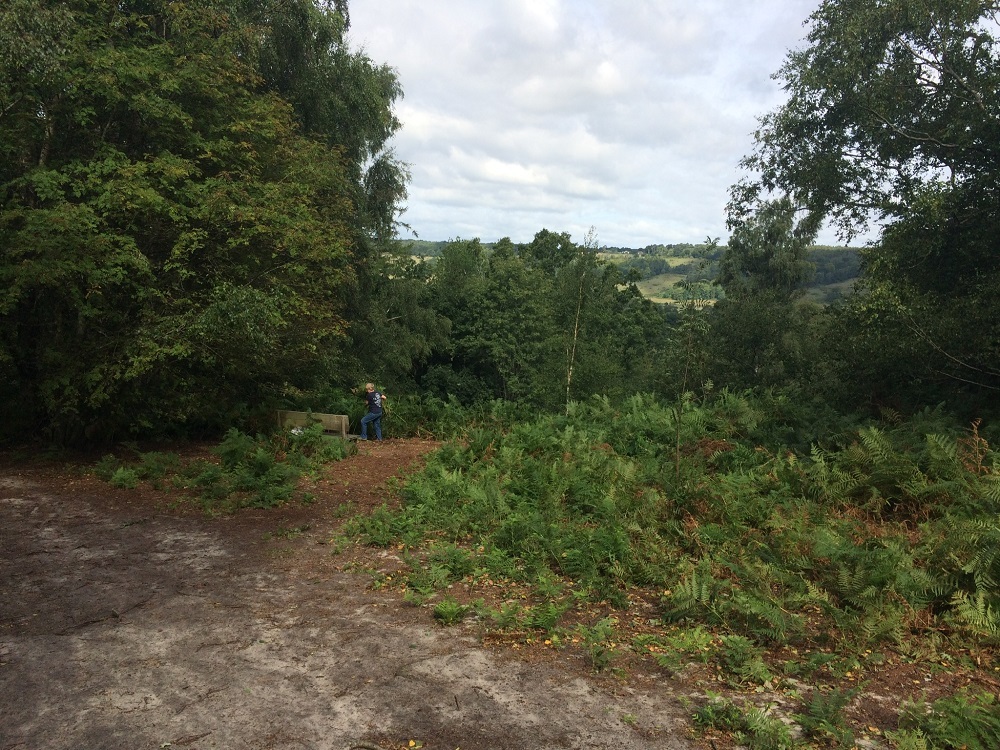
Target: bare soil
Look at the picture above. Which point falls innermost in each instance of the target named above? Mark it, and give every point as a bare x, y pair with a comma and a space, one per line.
131, 620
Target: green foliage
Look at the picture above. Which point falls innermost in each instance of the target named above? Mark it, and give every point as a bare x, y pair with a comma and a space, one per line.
450, 612
458, 561
719, 712
509, 616
766, 256
887, 120
744, 660
426, 416
906, 739
428, 579
955, 722
544, 616
107, 466
125, 478
155, 465
823, 718
751, 726
539, 323
235, 449
598, 641
257, 472
858, 542
693, 644
763, 731
381, 528
170, 221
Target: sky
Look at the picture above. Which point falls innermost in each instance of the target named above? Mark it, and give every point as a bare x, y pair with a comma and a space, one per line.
624, 118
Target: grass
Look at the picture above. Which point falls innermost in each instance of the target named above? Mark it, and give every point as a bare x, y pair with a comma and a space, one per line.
659, 288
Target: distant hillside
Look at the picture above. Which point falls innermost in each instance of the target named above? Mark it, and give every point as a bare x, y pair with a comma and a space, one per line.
677, 272
671, 273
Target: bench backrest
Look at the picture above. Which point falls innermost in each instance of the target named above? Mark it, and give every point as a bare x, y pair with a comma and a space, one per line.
335, 423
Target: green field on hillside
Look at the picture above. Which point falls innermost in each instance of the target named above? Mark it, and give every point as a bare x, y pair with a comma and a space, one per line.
659, 288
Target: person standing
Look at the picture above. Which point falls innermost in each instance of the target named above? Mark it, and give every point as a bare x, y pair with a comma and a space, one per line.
376, 402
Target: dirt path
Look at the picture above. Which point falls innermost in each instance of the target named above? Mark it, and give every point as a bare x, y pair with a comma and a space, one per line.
128, 623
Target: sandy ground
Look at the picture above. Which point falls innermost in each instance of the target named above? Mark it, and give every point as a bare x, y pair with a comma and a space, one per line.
127, 621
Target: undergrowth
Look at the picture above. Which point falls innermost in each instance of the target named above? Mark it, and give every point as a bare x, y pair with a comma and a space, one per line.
763, 558
880, 537
259, 472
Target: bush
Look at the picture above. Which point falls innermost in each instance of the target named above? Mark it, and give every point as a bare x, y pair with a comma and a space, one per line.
125, 478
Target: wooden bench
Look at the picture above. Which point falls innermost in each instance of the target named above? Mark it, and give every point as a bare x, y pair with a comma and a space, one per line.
337, 424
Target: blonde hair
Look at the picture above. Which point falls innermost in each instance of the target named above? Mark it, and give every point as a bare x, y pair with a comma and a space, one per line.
369, 386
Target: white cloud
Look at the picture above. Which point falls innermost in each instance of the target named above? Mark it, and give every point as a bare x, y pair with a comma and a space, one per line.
630, 116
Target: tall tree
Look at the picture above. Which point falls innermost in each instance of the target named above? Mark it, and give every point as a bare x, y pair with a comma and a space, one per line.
763, 273
174, 247
540, 324
893, 116
339, 96
890, 96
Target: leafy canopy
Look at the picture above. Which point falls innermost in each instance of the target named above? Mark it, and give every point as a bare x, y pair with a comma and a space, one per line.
180, 225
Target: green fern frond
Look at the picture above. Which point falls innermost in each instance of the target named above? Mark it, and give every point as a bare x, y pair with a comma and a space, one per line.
695, 593
891, 416
991, 487
978, 611
850, 582
817, 593
877, 443
942, 455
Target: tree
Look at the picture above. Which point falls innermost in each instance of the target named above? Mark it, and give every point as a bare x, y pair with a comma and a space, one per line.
175, 248
763, 274
890, 96
404, 330
538, 326
339, 96
501, 323
893, 116
767, 254
550, 251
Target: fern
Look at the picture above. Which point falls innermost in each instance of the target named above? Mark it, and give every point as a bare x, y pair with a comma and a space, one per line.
960, 721
823, 717
544, 616
764, 732
978, 611
907, 739
991, 487
695, 594
743, 659
879, 448
761, 617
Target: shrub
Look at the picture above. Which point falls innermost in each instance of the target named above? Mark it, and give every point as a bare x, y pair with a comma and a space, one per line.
258, 472
598, 640
823, 717
125, 478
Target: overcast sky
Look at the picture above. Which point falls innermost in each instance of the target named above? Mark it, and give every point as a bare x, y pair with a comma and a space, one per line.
628, 116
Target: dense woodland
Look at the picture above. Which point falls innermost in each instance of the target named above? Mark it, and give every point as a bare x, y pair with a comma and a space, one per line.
200, 222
